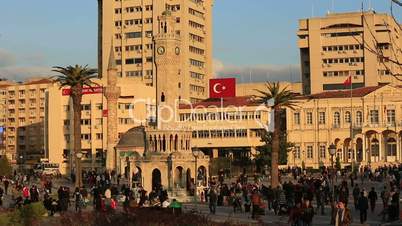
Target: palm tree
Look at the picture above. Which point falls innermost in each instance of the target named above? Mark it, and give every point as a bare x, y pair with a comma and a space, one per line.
76, 77
277, 99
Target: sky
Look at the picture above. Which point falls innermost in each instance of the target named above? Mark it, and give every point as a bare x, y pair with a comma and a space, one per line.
254, 40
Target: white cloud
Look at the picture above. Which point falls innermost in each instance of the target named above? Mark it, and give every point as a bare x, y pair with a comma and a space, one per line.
6, 58
258, 73
20, 73
19, 68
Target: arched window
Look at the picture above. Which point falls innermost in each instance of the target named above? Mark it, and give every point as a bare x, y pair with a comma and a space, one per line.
337, 119
359, 118
347, 117
163, 97
391, 147
375, 147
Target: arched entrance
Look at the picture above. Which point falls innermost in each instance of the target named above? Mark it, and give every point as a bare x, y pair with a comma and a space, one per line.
359, 149
189, 182
202, 176
156, 179
178, 177
375, 149
137, 177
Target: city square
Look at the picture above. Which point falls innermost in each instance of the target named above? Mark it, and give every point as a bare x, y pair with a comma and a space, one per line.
158, 131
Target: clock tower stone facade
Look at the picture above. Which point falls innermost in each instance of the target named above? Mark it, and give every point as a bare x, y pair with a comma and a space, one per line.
168, 78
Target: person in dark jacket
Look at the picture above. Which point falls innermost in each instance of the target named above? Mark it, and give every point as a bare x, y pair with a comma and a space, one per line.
373, 198
363, 207
307, 213
356, 195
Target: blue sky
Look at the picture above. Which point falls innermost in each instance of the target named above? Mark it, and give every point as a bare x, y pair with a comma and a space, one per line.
257, 36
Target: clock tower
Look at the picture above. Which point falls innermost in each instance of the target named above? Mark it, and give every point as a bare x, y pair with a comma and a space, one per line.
167, 63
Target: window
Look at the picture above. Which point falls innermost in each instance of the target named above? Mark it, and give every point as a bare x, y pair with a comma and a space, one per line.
86, 107
347, 117
337, 119
85, 121
321, 118
99, 136
359, 118
85, 136
391, 116
374, 116
296, 118
391, 147
309, 118
66, 122
297, 152
99, 106
309, 151
133, 35
322, 151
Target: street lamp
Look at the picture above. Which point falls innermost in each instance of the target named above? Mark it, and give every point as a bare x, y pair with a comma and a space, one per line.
332, 151
196, 154
78, 167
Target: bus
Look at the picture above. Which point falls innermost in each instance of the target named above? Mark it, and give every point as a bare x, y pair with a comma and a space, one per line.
47, 168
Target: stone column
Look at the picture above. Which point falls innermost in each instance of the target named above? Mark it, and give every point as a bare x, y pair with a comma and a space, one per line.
364, 154
215, 153
398, 148
380, 154
253, 152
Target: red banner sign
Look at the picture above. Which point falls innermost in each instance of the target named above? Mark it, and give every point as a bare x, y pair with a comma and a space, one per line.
85, 90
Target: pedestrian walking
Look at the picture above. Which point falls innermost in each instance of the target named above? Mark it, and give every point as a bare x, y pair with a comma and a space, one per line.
363, 207
342, 216
213, 198
373, 198
356, 195
307, 213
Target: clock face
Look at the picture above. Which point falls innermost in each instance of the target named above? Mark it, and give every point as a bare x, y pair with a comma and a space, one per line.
161, 50
177, 50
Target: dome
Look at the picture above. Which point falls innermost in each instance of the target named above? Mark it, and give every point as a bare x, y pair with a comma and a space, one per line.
134, 137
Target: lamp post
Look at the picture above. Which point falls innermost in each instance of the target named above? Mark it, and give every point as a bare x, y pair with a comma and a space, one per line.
332, 151
78, 167
196, 154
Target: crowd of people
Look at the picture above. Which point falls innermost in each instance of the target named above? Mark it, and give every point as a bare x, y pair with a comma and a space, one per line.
300, 196
295, 197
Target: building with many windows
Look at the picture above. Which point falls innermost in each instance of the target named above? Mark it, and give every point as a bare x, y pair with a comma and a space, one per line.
366, 129
136, 107
227, 127
24, 120
3, 113
361, 45
131, 27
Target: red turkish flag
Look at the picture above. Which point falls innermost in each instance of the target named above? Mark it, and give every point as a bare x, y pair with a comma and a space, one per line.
224, 87
348, 82
105, 113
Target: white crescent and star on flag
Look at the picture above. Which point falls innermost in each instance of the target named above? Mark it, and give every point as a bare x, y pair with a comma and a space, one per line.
217, 89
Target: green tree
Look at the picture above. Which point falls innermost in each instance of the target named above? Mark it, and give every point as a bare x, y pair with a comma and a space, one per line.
5, 167
76, 77
276, 99
264, 155
338, 163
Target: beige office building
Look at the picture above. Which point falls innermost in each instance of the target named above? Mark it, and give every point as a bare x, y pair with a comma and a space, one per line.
3, 113
132, 25
24, 120
136, 106
368, 133
228, 127
340, 45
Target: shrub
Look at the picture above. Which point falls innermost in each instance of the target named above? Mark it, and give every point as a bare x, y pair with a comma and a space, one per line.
28, 215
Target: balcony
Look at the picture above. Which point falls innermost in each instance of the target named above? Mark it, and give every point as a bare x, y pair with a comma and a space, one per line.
303, 43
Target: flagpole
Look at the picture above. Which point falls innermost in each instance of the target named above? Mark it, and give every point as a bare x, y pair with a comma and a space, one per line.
351, 122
